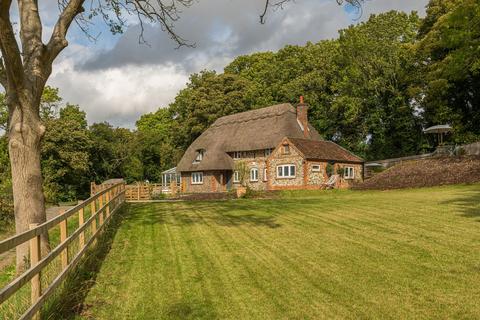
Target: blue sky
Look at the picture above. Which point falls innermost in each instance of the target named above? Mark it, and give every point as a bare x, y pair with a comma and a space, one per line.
116, 79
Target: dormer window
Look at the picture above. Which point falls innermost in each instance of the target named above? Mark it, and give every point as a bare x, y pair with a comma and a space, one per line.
199, 156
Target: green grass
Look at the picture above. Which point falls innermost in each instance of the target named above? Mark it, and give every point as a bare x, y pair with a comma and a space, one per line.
309, 255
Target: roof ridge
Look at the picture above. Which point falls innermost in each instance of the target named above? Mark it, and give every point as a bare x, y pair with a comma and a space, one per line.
225, 119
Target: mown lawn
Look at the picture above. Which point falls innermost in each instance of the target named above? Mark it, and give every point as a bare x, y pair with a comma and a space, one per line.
310, 255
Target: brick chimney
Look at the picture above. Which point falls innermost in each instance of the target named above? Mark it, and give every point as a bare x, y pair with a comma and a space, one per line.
302, 117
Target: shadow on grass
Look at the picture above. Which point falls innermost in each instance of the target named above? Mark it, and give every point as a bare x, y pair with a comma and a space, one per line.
68, 302
468, 204
260, 213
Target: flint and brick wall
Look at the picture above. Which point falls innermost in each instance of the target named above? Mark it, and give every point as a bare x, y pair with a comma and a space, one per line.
254, 159
279, 158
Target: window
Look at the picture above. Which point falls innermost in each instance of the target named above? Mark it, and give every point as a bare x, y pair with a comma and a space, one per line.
286, 171
265, 178
197, 177
254, 174
267, 152
316, 168
199, 157
236, 176
286, 149
349, 173
237, 155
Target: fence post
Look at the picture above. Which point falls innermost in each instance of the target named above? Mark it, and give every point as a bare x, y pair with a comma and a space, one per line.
36, 284
100, 206
92, 213
63, 237
138, 191
107, 202
81, 221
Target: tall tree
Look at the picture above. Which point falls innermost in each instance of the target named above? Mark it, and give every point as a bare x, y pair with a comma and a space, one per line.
450, 56
66, 155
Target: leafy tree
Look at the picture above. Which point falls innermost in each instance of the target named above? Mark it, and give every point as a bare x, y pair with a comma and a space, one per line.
113, 149
157, 149
66, 156
372, 107
450, 55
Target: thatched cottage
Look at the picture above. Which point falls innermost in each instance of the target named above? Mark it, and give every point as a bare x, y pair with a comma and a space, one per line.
271, 148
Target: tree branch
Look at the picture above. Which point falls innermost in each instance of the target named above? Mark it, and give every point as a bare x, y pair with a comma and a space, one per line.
12, 59
280, 3
3, 74
58, 40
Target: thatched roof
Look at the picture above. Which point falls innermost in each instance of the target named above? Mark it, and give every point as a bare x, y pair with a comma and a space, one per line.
324, 150
252, 130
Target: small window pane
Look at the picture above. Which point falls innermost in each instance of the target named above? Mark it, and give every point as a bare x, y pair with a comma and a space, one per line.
292, 171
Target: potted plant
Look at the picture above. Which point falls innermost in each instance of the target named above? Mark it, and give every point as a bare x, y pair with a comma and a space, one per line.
242, 169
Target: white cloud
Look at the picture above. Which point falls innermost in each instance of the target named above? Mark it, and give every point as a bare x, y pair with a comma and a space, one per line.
118, 95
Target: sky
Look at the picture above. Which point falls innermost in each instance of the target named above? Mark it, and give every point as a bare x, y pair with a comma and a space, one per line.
117, 79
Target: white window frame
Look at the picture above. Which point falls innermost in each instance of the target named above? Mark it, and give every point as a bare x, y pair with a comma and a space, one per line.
349, 173
286, 149
197, 177
236, 177
254, 176
237, 155
265, 176
286, 168
315, 168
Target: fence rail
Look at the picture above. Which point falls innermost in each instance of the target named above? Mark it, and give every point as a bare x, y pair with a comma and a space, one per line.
102, 207
148, 191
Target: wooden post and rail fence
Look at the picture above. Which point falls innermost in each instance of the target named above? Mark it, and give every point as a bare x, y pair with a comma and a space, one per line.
139, 191
103, 205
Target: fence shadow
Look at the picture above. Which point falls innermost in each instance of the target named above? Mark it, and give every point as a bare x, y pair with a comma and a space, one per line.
68, 303
261, 213
468, 204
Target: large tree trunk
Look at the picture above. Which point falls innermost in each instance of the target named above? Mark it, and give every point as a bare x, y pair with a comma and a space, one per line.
25, 134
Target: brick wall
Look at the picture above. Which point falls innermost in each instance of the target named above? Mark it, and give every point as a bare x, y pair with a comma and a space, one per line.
212, 182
